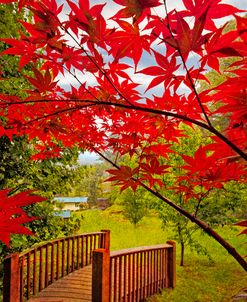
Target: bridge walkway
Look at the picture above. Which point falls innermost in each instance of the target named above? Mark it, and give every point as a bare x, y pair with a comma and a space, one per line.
75, 287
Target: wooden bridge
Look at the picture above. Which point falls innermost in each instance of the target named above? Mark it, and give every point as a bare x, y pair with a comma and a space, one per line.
82, 268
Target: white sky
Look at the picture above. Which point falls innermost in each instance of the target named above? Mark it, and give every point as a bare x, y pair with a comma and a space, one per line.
111, 7
109, 10
88, 158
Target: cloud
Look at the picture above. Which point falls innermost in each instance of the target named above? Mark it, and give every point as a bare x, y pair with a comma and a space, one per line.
241, 4
110, 9
88, 158
68, 80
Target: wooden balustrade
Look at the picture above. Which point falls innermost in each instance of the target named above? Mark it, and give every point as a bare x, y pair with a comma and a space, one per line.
129, 275
28, 273
133, 274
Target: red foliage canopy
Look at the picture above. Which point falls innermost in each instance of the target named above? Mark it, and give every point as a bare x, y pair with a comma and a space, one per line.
103, 108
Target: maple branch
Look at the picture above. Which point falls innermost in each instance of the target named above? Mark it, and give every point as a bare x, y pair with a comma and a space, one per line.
194, 89
186, 69
76, 78
231, 250
182, 117
48, 100
102, 70
58, 112
154, 111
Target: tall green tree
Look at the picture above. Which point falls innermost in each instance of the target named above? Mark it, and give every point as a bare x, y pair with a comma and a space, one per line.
215, 206
134, 204
14, 80
17, 169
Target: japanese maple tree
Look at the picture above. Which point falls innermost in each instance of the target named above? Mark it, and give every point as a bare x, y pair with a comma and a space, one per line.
131, 80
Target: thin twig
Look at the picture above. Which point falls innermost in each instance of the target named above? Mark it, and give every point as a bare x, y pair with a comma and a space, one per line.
186, 69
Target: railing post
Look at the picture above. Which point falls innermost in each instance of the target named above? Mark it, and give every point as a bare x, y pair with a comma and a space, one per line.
171, 264
101, 275
11, 278
105, 240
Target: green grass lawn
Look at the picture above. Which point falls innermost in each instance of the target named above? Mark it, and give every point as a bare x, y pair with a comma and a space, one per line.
199, 280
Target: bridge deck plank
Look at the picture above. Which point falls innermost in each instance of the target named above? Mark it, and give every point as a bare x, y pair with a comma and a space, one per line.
76, 287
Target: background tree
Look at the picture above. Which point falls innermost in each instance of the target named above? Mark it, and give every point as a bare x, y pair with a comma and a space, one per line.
13, 80
134, 204
215, 206
88, 181
17, 169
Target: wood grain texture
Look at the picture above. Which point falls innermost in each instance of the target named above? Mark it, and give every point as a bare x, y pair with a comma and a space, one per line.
75, 287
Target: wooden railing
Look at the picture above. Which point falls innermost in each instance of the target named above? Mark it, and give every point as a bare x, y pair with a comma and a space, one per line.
133, 274
28, 273
129, 275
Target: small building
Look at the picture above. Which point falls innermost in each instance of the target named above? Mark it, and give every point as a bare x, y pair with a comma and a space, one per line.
71, 203
64, 214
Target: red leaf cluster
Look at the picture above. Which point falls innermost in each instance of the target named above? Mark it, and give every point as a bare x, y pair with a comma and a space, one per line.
131, 82
12, 216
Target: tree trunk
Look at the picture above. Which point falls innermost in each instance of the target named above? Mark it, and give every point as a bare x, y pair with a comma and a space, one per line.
181, 240
182, 254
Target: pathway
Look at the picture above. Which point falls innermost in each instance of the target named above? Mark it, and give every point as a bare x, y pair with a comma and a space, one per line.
75, 287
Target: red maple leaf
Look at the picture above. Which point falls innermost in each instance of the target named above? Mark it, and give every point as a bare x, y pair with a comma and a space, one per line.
164, 72
154, 167
135, 8
124, 177
242, 224
128, 42
89, 20
23, 48
211, 170
199, 162
161, 149
215, 10
43, 82
187, 188
12, 216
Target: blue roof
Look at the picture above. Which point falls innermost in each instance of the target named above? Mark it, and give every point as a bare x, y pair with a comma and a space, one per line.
71, 199
63, 214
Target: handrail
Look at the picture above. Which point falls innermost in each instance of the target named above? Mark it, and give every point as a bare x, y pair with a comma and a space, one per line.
133, 274
37, 245
29, 272
128, 275
138, 249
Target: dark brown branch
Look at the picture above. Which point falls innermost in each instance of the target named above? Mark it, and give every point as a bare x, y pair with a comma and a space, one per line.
162, 113
230, 249
56, 113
